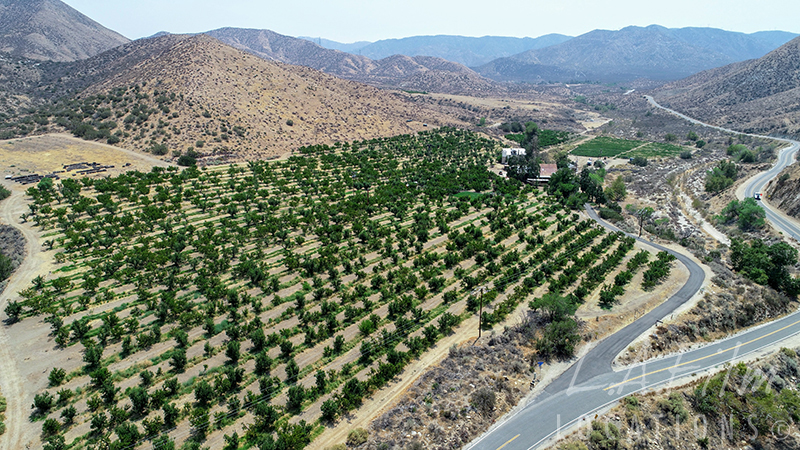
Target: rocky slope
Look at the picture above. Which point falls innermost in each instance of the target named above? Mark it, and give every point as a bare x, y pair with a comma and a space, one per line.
51, 30
757, 96
176, 90
784, 191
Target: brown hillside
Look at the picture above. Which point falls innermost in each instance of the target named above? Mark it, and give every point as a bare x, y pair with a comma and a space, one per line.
197, 88
52, 30
755, 96
784, 191
396, 71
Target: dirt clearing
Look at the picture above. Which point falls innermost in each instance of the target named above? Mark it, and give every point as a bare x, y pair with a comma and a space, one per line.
49, 153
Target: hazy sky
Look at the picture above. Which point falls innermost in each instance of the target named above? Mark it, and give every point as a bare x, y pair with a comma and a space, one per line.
357, 20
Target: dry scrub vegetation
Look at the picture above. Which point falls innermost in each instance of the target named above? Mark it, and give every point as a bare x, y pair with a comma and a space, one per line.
460, 398
754, 406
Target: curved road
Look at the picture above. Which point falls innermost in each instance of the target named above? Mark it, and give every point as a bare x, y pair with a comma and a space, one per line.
591, 383
580, 389
757, 183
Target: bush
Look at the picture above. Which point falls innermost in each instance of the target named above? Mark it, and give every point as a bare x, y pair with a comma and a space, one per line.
6, 268
640, 161
43, 402
559, 339
13, 309
4, 193
686, 154
673, 408
748, 214
357, 437
609, 214
56, 376
186, 161
50, 427
604, 436
721, 177
159, 149
573, 446
483, 400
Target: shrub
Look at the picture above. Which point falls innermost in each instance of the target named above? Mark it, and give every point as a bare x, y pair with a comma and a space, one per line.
329, 408
559, 339
483, 400
13, 309
640, 161
609, 214
56, 376
50, 427
721, 177
673, 408
573, 446
159, 149
604, 436
187, 160
748, 214
43, 402
686, 154
357, 437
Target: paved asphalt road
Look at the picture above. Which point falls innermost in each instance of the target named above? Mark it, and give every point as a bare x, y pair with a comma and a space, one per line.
758, 182
591, 383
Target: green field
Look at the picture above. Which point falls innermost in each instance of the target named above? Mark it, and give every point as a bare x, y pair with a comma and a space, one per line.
606, 146
655, 149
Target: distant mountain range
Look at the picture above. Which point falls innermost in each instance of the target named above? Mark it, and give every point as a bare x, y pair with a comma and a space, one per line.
398, 71
333, 45
469, 51
652, 52
52, 30
758, 96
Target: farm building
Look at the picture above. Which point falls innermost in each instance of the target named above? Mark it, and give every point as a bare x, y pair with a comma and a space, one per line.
509, 152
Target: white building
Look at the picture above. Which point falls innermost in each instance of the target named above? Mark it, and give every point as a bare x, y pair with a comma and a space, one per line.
509, 152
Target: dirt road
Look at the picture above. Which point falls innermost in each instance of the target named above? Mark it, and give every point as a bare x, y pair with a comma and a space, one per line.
12, 384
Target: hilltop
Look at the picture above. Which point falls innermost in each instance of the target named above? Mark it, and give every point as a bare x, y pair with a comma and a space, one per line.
757, 96
177, 92
52, 30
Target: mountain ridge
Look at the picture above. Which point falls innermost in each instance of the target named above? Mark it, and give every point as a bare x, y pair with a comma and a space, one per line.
653, 52
170, 92
469, 51
51, 30
396, 71
757, 96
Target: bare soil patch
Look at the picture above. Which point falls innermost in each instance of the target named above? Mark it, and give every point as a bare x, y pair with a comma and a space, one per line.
49, 153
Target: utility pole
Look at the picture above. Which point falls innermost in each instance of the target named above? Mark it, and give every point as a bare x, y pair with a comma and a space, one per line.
479, 291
